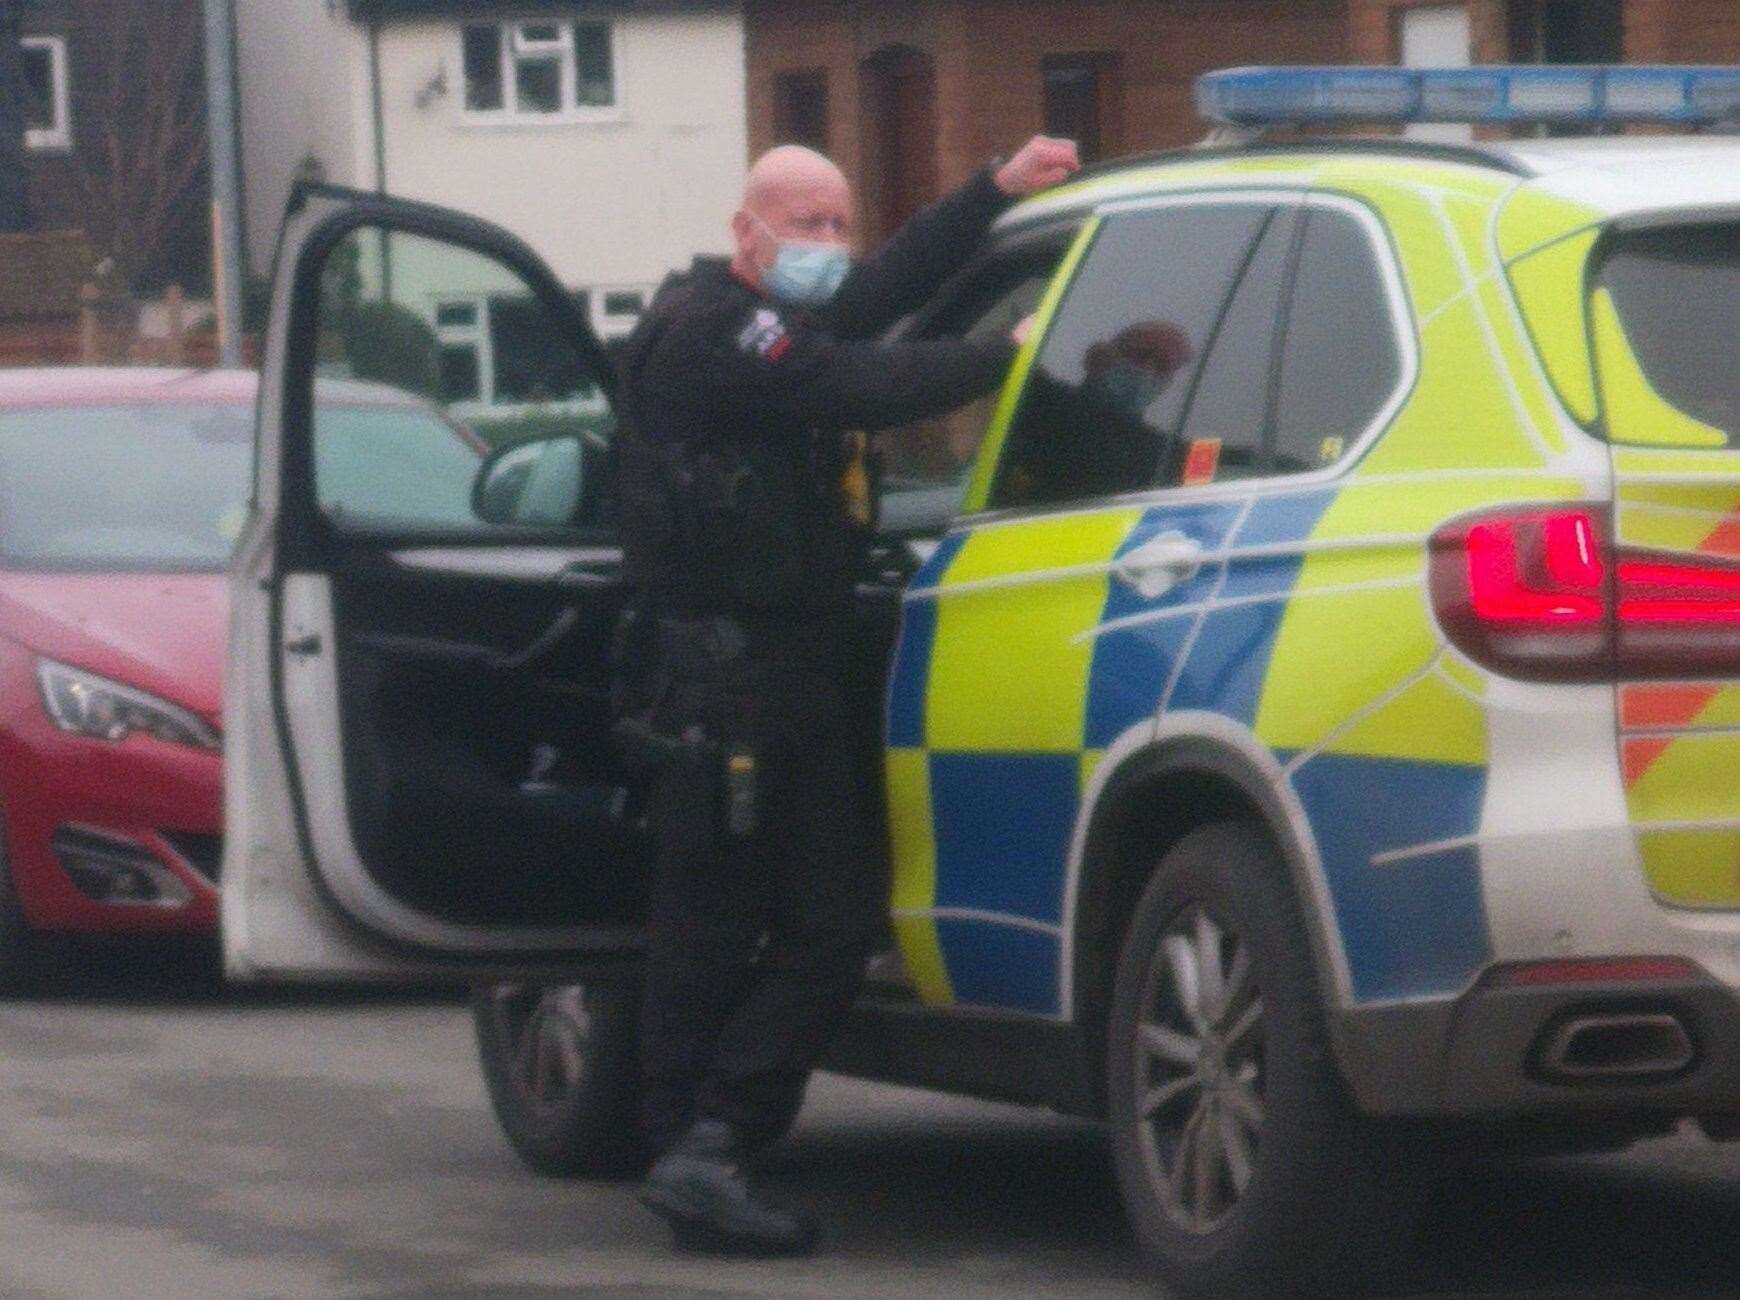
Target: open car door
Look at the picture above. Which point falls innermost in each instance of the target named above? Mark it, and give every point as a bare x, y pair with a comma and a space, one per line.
420, 777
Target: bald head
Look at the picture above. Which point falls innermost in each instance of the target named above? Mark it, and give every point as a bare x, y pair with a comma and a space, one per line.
791, 172
793, 194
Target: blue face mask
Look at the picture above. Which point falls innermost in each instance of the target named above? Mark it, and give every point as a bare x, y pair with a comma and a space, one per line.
805, 274
1129, 387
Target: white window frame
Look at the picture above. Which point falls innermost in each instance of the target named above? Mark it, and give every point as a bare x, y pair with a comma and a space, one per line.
474, 336
513, 48
59, 135
477, 336
615, 325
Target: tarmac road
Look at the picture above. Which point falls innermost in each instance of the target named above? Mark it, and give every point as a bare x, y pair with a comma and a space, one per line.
161, 1136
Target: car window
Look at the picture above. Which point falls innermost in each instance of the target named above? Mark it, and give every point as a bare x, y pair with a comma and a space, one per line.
1340, 362
926, 465
1227, 427
1101, 410
148, 487
395, 464
1664, 306
432, 358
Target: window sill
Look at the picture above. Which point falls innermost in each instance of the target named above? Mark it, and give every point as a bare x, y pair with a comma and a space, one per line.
593, 117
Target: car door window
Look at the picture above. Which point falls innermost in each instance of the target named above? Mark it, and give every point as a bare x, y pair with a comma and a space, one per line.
1230, 412
926, 465
1340, 361
431, 359
1101, 410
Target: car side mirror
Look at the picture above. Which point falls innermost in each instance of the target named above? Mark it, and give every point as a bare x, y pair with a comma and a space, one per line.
531, 484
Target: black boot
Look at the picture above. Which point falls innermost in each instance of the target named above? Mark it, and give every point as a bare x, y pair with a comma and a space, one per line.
700, 1189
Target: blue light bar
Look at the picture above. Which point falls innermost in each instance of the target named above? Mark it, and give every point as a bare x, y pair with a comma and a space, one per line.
1506, 96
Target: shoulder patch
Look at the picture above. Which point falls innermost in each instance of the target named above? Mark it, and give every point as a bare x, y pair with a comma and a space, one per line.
765, 335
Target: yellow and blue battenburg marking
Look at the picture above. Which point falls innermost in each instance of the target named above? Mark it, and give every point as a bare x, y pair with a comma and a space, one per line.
1030, 647
987, 763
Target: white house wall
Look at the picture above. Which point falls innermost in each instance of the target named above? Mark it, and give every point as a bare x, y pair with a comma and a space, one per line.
302, 71
616, 202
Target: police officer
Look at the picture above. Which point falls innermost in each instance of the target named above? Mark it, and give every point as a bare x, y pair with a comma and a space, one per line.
745, 503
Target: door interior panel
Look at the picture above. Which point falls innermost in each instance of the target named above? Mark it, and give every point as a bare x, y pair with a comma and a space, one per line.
482, 778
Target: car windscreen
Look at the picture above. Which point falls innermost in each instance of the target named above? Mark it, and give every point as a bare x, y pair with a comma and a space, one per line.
1675, 294
155, 487
384, 465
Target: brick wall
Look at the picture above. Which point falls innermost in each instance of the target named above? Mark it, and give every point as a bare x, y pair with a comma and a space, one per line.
987, 57
1655, 31
987, 54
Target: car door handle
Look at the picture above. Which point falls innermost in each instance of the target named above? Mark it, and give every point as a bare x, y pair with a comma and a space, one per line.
303, 646
1159, 564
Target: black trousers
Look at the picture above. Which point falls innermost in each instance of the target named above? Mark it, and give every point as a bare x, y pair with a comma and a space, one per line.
757, 942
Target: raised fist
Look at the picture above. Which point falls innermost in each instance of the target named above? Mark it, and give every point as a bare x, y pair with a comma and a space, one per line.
1041, 163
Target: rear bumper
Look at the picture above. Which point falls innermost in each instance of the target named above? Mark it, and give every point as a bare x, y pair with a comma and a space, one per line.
1484, 1055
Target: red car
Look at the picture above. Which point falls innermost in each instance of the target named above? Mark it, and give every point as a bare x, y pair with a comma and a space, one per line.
121, 493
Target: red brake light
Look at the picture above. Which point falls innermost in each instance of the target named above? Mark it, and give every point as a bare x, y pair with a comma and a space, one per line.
1543, 572
1659, 592
1526, 593
1537, 594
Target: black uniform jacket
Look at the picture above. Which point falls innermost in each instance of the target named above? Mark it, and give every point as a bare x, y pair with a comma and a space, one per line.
718, 378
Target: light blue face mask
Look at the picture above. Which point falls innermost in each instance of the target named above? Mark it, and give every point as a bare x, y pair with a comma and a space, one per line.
805, 274
1129, 387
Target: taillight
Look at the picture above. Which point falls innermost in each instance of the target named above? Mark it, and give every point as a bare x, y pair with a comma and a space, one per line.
1526, 593
1536, 594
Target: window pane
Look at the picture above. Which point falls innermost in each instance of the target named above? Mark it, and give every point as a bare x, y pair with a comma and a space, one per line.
533, 363
1101, 410
800, 108
392, 462
460, 380
539, 34
1674, 290
153, 487
1340, 363
405, 419
927, 464
595, 77
483, 68
1079, 90
460, 314
538, 83
1230, 406
38, 88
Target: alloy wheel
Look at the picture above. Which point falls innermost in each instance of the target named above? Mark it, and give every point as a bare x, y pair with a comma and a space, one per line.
1199, 1071
548, 1032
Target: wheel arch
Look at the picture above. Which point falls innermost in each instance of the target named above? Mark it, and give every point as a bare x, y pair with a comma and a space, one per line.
1155, 796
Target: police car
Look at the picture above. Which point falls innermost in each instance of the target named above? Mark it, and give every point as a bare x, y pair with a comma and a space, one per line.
1312, 685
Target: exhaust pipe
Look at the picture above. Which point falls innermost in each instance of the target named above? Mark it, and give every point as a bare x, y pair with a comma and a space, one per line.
1618, 1045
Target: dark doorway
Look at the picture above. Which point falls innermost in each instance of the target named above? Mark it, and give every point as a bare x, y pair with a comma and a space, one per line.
1083, 102
800, 108
899, 108
1567, 31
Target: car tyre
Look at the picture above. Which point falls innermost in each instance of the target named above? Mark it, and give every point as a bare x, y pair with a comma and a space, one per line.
1243, 1165
26, 956
561, 1066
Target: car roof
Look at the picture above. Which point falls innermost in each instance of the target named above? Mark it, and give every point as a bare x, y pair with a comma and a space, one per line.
139, 385
1618, 176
